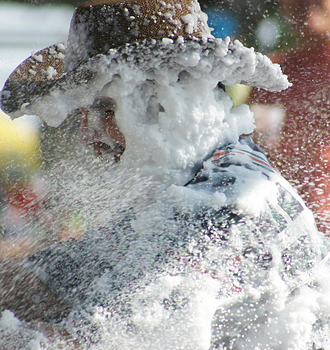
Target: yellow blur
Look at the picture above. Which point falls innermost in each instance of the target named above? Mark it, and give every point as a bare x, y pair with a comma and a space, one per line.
239, 93
19, 143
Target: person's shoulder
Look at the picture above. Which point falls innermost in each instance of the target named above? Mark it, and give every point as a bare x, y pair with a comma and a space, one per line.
230, 163
241, 173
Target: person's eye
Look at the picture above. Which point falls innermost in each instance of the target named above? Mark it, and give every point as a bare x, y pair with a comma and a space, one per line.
109, 111
101, 148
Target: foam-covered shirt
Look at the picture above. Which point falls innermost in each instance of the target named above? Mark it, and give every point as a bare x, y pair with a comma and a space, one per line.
255, 206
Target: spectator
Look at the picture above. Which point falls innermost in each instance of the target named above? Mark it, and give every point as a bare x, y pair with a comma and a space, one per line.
293, 126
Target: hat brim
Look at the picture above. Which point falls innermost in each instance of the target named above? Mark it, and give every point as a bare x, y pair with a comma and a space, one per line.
41, 87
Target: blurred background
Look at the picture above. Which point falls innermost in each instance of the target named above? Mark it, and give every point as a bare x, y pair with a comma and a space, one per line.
25, 28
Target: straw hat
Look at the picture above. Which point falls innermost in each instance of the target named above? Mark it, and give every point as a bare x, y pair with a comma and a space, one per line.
127, 30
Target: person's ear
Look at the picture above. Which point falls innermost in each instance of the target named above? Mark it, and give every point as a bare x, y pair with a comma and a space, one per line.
319, 20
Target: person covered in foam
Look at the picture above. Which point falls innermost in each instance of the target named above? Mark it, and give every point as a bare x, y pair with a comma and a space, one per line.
143, 84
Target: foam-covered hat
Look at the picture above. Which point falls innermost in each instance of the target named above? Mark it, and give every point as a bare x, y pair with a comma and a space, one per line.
140, 32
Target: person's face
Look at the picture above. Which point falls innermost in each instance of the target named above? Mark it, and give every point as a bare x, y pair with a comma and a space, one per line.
100, 131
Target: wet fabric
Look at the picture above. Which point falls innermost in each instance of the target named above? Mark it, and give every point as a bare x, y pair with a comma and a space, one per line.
68, 268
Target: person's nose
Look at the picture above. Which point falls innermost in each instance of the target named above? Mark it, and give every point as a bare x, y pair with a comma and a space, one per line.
110, 127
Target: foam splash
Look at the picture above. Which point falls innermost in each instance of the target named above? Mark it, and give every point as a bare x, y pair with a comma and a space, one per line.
171, 285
